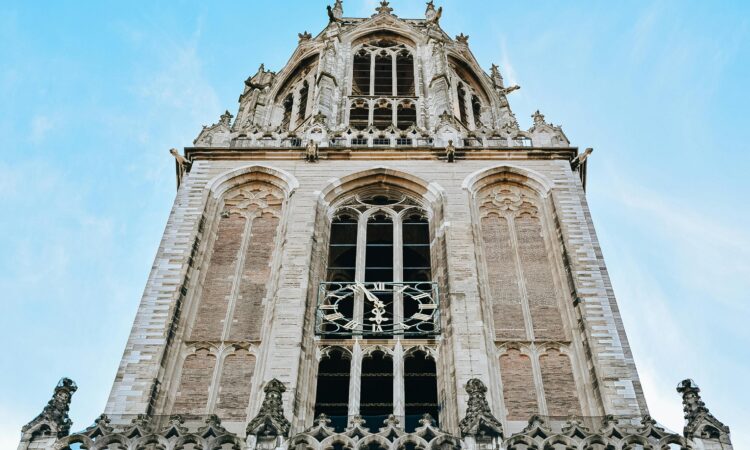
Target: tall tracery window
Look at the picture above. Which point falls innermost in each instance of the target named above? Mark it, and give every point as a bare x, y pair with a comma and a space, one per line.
461, 91
382, 68
302, 106
379, 270
286, 119
379, 266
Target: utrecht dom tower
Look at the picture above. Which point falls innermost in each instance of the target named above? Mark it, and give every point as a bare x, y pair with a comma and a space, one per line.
371, 254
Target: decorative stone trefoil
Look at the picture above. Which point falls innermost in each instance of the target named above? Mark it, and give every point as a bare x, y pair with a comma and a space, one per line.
479, 420
270, 420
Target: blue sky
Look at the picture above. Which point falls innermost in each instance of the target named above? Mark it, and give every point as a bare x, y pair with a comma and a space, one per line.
93, 96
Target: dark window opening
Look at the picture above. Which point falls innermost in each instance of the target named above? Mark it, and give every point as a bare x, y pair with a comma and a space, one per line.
382, 117
361, 74
332, 396
342, 251
378, 265
359, 117
302, 107
376, 401
407, 116
383, 75
287, 104
405, 74
461, 103
403, 141
476, 109
359, 141
420, 387
416, 250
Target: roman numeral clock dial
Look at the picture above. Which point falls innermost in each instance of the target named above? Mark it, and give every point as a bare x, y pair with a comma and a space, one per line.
337, 303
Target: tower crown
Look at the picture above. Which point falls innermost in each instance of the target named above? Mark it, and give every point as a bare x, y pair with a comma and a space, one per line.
379, 81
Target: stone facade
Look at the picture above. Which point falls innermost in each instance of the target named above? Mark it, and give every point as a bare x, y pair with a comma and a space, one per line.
531, 351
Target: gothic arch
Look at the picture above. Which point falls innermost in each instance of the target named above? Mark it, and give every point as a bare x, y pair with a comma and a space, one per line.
432, 194
222, 183
482, 178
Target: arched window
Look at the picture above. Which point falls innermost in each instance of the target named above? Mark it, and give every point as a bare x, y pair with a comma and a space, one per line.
359, 115
405, 74
361, 73
420, 387
382, 115
383, 66
287, 104
302, 103
332, 394
407, 115
376, 387
383, 72
476, 110
461, 92
379, 277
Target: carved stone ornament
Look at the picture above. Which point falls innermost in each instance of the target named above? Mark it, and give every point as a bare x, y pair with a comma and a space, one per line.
384, 7
431, 14
479, 420
55, 414
700, 423
304, 36
270, 420
463, 39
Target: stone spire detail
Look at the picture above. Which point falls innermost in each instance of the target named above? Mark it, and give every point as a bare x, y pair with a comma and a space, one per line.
384, 7
700, 423
270, 420
479, 420
55, 414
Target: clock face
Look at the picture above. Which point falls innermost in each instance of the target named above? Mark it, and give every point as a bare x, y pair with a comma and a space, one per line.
387, 308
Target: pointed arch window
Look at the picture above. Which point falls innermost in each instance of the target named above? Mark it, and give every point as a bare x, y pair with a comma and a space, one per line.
381, 68
288, 104
302, 104
461, 93
420, 387
332, 393
376, 387
379, 274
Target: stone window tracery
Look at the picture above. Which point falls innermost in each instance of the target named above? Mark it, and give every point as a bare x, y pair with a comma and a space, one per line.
383, 73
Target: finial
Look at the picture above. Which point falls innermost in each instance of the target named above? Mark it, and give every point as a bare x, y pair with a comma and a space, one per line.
384, 7
55, 414
463, 39
335, 13
538, 118
304, 36
497, 78
270, 420
226, 118
700, 423
479, 420
432, 15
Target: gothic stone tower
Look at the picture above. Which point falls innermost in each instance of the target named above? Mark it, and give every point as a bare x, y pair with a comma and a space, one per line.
374, 255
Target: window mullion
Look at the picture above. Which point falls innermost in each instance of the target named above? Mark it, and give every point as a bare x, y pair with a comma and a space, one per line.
398, 268
394, 84
372, 73
359, 271
355, 376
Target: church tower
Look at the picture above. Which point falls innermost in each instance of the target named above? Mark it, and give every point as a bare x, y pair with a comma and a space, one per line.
372, 254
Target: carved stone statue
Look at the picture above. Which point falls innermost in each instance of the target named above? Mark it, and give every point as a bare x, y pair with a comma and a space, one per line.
311, 151
433, 15
450, 152
270, 421
479, 420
